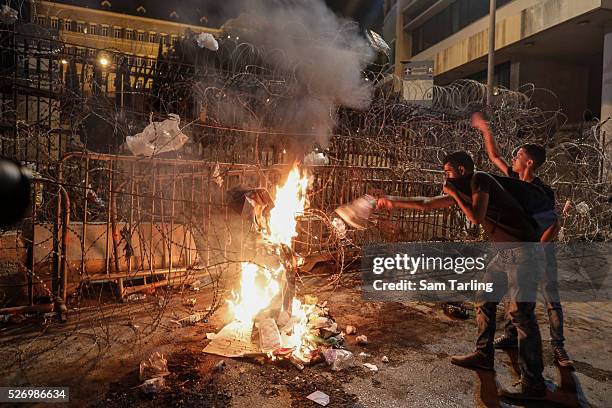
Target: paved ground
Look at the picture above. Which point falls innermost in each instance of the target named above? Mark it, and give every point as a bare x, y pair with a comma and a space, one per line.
98, 358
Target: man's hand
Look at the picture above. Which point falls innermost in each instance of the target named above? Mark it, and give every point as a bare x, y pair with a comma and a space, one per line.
478, 122
384, 203
449, 190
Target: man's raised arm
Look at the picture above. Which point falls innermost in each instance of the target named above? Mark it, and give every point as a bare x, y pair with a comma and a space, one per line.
479, 123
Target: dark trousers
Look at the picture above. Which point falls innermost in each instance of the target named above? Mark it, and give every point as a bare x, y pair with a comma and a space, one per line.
550, 292
515, 272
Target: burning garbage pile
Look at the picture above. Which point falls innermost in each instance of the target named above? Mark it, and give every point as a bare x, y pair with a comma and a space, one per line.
267, 318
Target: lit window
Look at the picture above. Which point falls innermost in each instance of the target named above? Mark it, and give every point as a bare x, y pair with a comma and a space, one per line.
141, 36
129, 34
163, 39
150, 62
139, 61
80, 27
152, 38
105, 31
41, 20
139, 84
93, 29
174, 39
54, 23
117, 32
92, 52
67, 25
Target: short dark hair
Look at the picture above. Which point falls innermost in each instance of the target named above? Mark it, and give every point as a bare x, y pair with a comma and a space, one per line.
460, 159
536, 153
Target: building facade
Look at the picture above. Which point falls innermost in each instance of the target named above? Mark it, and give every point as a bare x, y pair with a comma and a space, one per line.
564, 46
137, 30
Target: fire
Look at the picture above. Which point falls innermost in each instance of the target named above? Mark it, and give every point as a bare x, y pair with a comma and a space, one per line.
290, 201
260, 285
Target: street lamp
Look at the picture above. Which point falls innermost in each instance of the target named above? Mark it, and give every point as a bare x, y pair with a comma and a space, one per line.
103, 61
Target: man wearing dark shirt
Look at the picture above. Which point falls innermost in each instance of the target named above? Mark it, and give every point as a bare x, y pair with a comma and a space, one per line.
527, 160
514, 270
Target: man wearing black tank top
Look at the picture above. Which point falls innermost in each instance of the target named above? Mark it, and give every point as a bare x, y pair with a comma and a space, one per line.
525, 163
513, 270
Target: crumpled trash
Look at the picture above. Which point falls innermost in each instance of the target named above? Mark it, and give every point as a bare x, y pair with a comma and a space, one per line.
216, 176
350, 329
385, 359
135, 296
219, 367
582, 208
316, 159
363, 339
365, 355
370, 367
155, 366
339, 359
269, 335
192, 318
340, 227
319, 397
8, 15
153, 385
158, 137
206, 40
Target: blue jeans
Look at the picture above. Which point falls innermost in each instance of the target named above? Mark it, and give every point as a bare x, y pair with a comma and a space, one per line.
516, 272
550, 291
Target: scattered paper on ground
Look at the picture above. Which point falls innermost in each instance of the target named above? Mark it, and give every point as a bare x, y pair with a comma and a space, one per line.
234, 340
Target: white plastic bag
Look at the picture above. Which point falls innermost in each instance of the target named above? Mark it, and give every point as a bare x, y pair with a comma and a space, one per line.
207, 40
339, 359
158, 137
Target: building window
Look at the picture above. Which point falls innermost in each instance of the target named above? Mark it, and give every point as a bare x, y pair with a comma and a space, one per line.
150, 62
152, 38
141, 36
447, 22
105, 31
67, 25
139, 61
92, 52
41, 20
139, 84
117, 32
129, 34
54, 23
93, 29
80, 27
162, 38
174, 39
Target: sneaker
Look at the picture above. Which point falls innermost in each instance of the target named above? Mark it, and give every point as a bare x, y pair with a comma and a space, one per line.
561, 358
505, 342
522, 391
474, 360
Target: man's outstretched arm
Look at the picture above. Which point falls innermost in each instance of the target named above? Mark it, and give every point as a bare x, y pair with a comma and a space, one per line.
416, 203
491, 148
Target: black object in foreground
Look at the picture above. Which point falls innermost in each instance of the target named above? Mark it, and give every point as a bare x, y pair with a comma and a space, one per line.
14, 193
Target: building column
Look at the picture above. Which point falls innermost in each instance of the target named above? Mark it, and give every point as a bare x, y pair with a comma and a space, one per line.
606, 102
403, 45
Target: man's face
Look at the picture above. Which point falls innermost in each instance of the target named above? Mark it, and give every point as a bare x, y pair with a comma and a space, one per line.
452, 172
521, 161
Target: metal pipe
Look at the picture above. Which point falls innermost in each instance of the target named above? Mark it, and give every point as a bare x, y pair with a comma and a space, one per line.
491, 63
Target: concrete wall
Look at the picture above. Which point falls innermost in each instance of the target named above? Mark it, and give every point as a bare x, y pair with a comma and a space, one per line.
569, 81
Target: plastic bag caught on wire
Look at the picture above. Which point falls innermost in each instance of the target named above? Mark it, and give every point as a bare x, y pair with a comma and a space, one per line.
158, 137
207, 40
